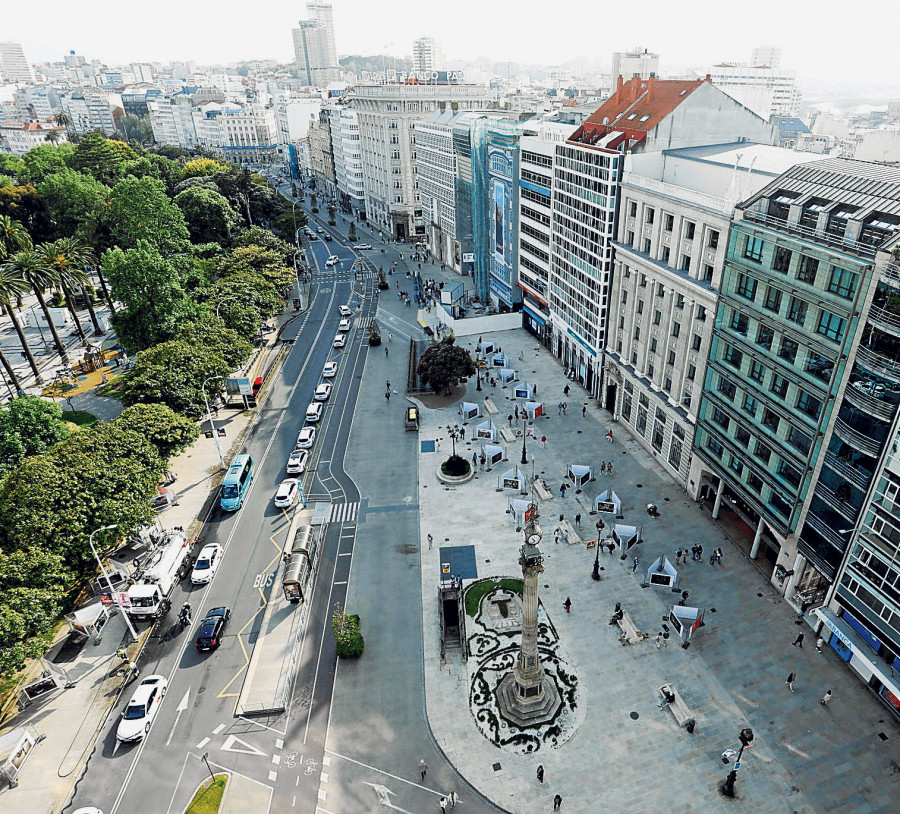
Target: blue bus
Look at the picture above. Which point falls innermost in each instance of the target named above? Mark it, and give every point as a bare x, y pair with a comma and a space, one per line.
237, 482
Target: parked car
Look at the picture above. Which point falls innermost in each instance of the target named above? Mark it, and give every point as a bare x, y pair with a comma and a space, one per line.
288, 493
306, 438
141, 710
339, 341
323, 392
209, 636
363, 246
314, 412
296, 463
345, 311
344, 325
330, 370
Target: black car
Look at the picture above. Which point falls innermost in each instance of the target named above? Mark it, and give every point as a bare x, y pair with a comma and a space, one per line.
209, 637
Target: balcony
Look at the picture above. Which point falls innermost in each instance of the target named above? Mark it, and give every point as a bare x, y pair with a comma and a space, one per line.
843, 507
856, 439
890, 275
812, 235
885, 319
831, 535
877, 363
879, 408
852, 474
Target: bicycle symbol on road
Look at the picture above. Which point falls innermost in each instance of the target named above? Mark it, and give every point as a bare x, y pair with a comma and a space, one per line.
311, 766
291, 760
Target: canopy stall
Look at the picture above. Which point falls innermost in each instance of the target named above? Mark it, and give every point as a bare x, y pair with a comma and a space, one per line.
499, 360
523, 391
493, 454
517, 508
662, 574
608, 502
486, 431
534, 409
625, 537
513, 479
507, 375
468, 410
685, 621
579, 475
15, 748
485, 347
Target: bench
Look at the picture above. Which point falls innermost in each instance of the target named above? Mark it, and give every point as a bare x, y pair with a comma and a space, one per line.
630, 633
542, 493
507, 434
678, 708
564, 527
490, 408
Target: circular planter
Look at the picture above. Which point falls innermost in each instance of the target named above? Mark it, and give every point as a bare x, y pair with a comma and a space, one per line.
451, 480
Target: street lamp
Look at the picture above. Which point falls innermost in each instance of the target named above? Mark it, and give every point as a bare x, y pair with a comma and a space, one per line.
745, 736
454, 434
210, 419
478, 365
105, 573
524, 436
233, 297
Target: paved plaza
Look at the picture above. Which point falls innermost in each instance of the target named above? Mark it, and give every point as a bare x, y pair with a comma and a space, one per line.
628, 755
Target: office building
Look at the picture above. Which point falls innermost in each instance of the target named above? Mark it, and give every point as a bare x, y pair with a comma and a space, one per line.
13, 64
634, 64
436, 171
799, 403
172, 120
427, 55
315, 54
351, 189
767, 91
92, 109
17, 138
767, 56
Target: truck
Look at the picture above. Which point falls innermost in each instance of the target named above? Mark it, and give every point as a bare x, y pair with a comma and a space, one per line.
154, 581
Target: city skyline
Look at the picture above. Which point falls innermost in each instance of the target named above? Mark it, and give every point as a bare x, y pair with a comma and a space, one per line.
685, 38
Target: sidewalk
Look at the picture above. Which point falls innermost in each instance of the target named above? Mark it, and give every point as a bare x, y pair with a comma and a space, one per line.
627, 755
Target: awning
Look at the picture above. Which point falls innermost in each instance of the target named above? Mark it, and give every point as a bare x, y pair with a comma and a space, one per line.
534, 316
850, 638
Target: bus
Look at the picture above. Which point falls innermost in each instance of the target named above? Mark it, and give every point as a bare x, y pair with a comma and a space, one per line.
237, 482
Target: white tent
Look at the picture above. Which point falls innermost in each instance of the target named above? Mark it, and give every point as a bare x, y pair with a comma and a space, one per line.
88, 621
513, 479
487, 430
534, 409
608, 502
579, 475
499, 360
625, 537
662, 574
469, 410
493, 454
685, 621
517, 508
523, 391
507, 375
486, 347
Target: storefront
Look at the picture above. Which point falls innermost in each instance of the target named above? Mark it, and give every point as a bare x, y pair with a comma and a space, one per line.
859, 648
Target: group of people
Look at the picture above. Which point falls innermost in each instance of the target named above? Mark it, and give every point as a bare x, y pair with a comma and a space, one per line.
606, 467
696, 552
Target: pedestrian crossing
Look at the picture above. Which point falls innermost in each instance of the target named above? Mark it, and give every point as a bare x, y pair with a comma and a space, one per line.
343, 512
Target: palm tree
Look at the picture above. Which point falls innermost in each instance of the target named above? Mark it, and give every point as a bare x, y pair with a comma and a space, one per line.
63, 119
30, 265
52, 136
67, 258
13, 282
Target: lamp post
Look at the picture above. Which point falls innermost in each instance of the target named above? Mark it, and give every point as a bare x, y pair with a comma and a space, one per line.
233, 297
745, 736
210, 418
453, 432
478, 365
103, 571
524, 436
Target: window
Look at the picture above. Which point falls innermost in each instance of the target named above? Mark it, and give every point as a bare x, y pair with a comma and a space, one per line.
753, 250
621, 323
708, 273
641, 425
757, 371
788, 473
668, 385
696, 342
657, 317
624, 295
764, 336
750, 404
685, 262
676, 329
626, 407
653, 345
742, 437
658, 435
632, 209
649, 215
675, 453
782, 260
714, 447
770, 420
773, 299
701, 313
746, 287
788, 350
799, 440
650, 370
809, 405
806, 273
819, 366
679, 300
721, 418
797, 310
779, 504
843, 283
727, 388
665, 254
643, 281
644, 399
637, 334
733, 356
779, 385
668, 222
830, 326
689, 229
647, 245
762, 452
629, 238
754, 482
692, 372
660, 290
712, 240
671, 358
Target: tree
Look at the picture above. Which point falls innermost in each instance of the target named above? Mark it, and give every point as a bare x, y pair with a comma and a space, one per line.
204, 181
13, 283
202, 166
45, 160
351, 232
331, 214
11, 166
67, 260
148, 286
172, 373
209, 216
139, 209
75, 204
63, 119
169, 432
251, 259
52, 136
211, 331
95, 156
166, 170
22, 203
251, 299
444, 365
136, 128
314, 202
29, 426
347, 636
257, 236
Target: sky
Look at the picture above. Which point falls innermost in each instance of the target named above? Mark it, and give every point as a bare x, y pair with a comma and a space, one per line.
833, 49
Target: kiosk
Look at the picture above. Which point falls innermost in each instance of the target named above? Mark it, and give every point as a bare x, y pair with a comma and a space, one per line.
662, 574
15, 748
685, 621
468, 410
485, 347
493, 455
534, 409
499, 360
579, 475
523, 391
507, 375
513, 479
486, 431
517, 507
88, 621
625, 537
608, 502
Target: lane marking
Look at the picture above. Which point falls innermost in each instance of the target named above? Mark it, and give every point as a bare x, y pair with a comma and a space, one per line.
229, 746
273, 776
203, 743
386, 774
218, 729
338, 583
276, 759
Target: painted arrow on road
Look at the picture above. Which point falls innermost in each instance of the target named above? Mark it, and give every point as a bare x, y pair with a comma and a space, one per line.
182, 706
384, 799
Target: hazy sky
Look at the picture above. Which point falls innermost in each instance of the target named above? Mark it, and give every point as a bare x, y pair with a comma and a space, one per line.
826, 42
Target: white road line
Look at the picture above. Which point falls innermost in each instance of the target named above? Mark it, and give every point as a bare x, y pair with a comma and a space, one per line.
276, 759
218, 729
323, 778
339, 583
386, 774
203, 743
279, 743
273, 776
348, 554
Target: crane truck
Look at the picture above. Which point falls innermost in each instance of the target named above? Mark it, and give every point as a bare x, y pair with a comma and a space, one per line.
154, 581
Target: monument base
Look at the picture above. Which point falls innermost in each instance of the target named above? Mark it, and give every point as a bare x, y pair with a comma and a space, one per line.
524, 712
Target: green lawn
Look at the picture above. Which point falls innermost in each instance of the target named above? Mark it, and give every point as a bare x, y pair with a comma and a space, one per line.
209, 796
479, 589
80, 418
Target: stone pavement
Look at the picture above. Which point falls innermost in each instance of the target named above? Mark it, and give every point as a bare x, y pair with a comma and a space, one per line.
629, 756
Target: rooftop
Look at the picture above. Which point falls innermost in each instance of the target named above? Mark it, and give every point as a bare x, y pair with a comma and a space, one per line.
757, 158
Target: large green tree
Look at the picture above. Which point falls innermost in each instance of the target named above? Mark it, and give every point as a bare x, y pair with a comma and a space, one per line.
136, 128
209, 216
246, 300
169, 432
149, 288
95, 156
140, 209
267, 263
444, 365
45, 160
75, 204
257, 236
29, 426
67, 260
213, 332
22, 203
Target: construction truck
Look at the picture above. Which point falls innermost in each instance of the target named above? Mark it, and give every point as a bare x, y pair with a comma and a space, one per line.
157, 576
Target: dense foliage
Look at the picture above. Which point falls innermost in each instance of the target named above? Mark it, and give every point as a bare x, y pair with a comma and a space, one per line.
444, 365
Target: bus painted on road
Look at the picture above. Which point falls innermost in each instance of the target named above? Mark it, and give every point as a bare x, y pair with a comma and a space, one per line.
237, 482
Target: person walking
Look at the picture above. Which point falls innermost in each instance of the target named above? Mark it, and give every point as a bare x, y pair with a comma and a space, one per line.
568, 605
556, 533
386, 350
603, 467
482, 460
819, 643
609, 436
798, 642
826, 698
559, 409
543, 442
540, 773
584, 410
565, 407
444, 803
659, 640
566, 390
430, 542
578, 520
792, 677
712, 559
557, 802
609, 468
719, 556
453, 799
423, 768
562, 490
635, 564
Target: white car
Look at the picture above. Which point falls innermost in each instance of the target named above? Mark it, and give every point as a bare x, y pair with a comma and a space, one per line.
332, 260
323, 392
207, 562
288, 493
296, 463
363, 246
141, 710
306, 438
344, 325
319, 229
339, 341
330, 370
314, 412
345, 311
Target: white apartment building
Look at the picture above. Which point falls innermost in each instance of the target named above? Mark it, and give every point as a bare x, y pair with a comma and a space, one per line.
387, 115
293, 115
18, 138
675, 212
350, 180
766, 91
172, 120
92, 109
638, 63
314, 49
436, 170
244, 135
427, 55
13, 64
767, 55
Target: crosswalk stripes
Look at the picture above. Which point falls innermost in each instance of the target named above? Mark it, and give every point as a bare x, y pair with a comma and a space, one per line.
343, 512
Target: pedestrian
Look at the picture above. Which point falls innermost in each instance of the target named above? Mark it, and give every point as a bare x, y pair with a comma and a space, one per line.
693, 552
387, 395
517, 418
792, 677
481, 460
556, 533
566, 390
609, 436
559, 409
568, 605
578, 520
677, 556
430, 542
612, 547
462, 432
565, 407
819, 642
454, 799
684, 597
444, 803
510, 419
609, 467
603, 467
562, 490
540, 774
712, 558
521, 356
543, 442
798, 642
718, 553
516, 411
565, 537
557, 802
659, 640
699, 552
826, 698
475, 461
423, 768
386, 350
584, 410
635, 564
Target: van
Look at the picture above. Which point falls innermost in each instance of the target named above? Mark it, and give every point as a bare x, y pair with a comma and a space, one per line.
237, 483
257, 385
412, 419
